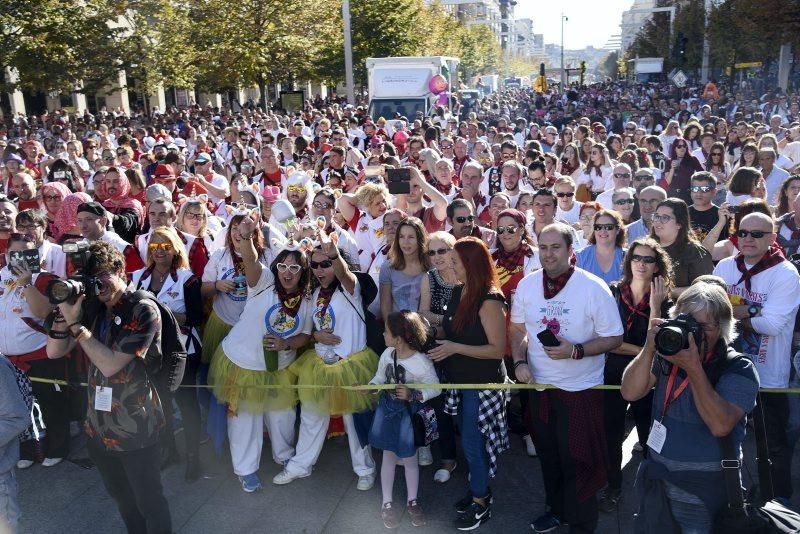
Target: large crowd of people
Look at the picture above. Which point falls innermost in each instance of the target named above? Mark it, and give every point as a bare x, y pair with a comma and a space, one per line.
535, 238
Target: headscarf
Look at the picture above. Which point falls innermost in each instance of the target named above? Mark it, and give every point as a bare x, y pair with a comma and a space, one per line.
67, 217
49, 188
122, 199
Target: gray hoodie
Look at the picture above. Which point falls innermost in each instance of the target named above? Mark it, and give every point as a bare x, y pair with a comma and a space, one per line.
14, 415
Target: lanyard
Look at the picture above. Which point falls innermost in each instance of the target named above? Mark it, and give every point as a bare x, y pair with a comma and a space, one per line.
669, 395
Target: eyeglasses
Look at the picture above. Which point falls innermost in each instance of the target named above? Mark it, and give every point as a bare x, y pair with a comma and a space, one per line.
294, 268
322, 205
462, 219
642, 177
194, 216
108, 158
622, 175
586, 218
27, 227
510, 229
445, 147
623, 201
701, 189
440, 252
51, 198
643, 259
565, 195
296, 188
607, 227
757, 234
324, 264
662, 218
166, 247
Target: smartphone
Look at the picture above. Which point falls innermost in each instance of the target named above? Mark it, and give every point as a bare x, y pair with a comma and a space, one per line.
547, 338
733, 210
29, 256
399, 181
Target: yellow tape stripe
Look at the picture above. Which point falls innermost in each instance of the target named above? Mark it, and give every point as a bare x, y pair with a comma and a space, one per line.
509, 386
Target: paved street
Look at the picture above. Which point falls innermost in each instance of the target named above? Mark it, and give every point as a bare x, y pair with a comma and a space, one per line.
70, 498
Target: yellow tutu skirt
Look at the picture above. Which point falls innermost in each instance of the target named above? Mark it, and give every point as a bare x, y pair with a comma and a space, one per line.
214, 332
359, 368
233, 385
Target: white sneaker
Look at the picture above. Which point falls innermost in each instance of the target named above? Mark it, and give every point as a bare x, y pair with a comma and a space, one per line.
50, 462
285, 477
530, 449
24, 464
366, 482
443, 475
424, 456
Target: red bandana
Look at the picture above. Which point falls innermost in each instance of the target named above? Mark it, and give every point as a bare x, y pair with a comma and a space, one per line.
771, 258
324, 298
641, 309
552, 286
290, 302
511, 260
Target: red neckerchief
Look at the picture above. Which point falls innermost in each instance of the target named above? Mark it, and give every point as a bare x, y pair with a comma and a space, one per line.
552, 286
641, 309
511, 260
771, 258
301, 214
479, 199
443, 188
290, 302
324, 298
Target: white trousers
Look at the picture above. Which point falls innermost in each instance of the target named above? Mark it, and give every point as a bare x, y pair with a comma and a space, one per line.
246, 438
313, 428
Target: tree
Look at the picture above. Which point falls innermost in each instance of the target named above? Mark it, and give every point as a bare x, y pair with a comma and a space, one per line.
609, 65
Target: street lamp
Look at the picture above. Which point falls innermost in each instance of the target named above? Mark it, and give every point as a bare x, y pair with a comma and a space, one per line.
563, 72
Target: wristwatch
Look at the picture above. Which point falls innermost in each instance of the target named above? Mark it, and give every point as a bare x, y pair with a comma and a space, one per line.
753, 310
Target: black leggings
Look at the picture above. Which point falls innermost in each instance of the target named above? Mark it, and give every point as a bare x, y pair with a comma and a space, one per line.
133, 480
186, 398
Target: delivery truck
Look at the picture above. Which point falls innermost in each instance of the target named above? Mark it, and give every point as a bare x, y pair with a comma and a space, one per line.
400, 85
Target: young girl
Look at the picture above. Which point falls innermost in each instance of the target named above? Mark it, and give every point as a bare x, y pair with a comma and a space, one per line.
403, 362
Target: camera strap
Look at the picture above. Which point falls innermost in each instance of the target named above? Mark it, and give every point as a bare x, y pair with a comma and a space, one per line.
669, 395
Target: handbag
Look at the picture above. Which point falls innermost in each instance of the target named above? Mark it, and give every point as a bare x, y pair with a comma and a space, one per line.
423, 421
740, 516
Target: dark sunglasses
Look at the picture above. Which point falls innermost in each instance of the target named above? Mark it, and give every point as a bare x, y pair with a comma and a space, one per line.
565, 195
623, 201
757, 234
643, 259
609, 227
622, 175
642, 177
510, 229
701, 189
462, 219
324, 264
440, 252
679, 146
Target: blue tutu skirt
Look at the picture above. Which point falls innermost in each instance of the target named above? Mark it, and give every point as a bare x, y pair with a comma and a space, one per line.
391, 429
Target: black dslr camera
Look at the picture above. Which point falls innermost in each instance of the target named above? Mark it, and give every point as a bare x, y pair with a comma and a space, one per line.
673, 336
81, 282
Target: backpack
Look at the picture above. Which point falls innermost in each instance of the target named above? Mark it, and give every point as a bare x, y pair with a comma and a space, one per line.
166, 368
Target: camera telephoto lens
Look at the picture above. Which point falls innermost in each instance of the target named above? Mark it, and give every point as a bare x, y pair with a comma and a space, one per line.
670, 340
59, 291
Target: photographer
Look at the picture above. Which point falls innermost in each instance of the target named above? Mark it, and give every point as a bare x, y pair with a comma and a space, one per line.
701, 394
124, 413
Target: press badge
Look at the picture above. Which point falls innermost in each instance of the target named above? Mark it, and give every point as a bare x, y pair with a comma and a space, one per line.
657, 437
102, 398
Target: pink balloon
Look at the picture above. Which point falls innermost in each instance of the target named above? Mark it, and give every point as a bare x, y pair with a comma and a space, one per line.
444, 98
437, 84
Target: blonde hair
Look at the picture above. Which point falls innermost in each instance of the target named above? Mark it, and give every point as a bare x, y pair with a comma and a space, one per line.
182, 213
180, 260
366, 194
445, 237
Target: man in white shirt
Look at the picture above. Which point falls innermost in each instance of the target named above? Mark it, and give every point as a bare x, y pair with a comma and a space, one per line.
563, 321
32, 223
568, 209
622, 179
773, 175
702, 152
216, 184
764, 289
511, 175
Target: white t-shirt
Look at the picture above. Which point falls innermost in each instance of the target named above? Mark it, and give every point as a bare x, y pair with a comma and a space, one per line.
777, 292
54, 259
229, 306
217, 180
262, 315
344, 316
16, 337
582, 311
418, 370
572, 216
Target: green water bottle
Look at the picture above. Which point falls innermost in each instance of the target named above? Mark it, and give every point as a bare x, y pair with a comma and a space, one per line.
270, 357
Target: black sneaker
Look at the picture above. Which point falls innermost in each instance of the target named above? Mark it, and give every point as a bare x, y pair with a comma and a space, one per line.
464, 504
546, 523
474, 516
609, 500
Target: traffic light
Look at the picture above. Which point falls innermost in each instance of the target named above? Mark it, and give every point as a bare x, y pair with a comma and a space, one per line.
583, 70
681, 47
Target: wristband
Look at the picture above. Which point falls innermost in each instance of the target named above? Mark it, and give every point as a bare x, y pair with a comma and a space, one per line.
518, 363
577, 351
26, 286
247, 237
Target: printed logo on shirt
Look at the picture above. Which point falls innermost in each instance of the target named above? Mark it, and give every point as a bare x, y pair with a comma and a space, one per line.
279, 323
239, 292
324, 321
753, 345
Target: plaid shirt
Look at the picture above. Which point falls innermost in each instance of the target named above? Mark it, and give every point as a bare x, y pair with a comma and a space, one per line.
491, 420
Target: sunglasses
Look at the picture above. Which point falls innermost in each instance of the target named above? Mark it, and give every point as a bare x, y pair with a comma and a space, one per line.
294, 268
679, 146
324, 264
166, 247
462, 219
716, 153
445, 147
757, 234
608, 227
296, 188
510, 229
623, 201
565, 195
643, 259
622, 175
701, 189
440, 252
642, 177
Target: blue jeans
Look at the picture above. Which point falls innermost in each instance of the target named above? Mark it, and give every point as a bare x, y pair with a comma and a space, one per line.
9, 508
473, 443
692, 518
